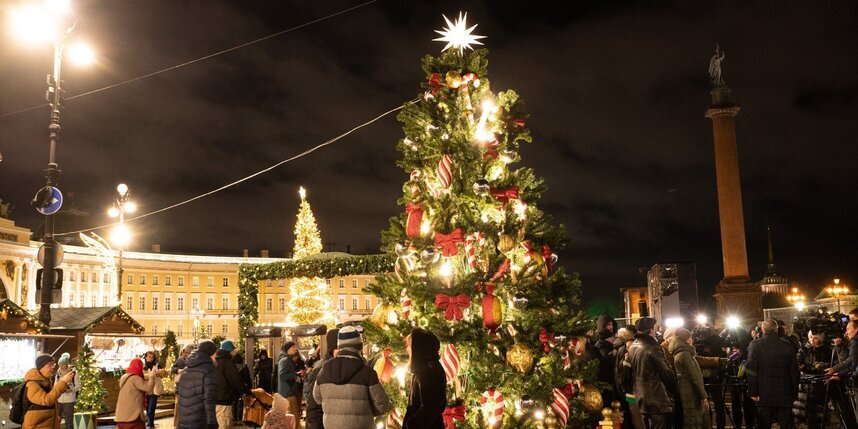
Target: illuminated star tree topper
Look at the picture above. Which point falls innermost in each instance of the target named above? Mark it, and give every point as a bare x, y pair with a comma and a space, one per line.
458, 35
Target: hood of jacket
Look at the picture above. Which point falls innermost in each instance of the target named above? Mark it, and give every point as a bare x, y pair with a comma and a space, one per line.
425, 348
345, 365
223, 354
197, 359
677, 346
603, 320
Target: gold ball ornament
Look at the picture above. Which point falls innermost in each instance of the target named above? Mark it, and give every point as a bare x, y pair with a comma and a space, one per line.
550, 421
607, 414
454, 79
592, 399
520, 357
505, 243
381, 315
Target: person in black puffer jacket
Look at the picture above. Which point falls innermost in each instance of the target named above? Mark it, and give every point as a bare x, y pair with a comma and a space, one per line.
229, 385
197, 389
428, 397
314, 410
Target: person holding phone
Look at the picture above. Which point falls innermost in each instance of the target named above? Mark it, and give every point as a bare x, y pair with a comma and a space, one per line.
69, 397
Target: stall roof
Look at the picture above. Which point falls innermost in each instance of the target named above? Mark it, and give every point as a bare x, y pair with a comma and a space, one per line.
10, 309
88, 318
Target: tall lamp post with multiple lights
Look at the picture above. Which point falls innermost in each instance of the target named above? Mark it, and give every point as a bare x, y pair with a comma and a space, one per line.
121, 236
197, 313
50, 22
796, 298
837, 290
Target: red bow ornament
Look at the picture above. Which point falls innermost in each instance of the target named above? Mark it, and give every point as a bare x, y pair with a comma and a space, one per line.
453, 413
448, 242
504, 195
415, 217
452, 305
546, 256
492, 148
545, 338
435, 84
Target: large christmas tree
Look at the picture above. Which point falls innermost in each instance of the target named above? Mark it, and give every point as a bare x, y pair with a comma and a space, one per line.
476, 261
309, 299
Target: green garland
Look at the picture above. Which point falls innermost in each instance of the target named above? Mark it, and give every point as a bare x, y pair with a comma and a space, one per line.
323, 265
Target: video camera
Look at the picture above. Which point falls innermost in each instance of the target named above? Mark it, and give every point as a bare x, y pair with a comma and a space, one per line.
819, 321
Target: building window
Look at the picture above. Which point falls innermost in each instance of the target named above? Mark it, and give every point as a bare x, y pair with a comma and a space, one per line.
210, 282
167, 329
129, 302
93, 300
142, 303
268, 304
180, 303
131, 279
195, 303
154, 329
142, 279
341, 283
179, 330
168, 280
104, 301
282, 283
209, 303
93, 277
366, 283
154, 303
181, 280
282, 304
341, 305
224, 302
195, 281
105, 278
81, 300
154, 280
168, 303
225, 329
354, 303
209, 329
73, 276
367, 303
225, 282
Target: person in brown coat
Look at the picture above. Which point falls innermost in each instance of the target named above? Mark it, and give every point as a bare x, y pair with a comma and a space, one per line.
43, 394
133, 388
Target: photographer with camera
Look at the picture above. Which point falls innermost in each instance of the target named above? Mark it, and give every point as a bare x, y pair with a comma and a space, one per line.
837, 387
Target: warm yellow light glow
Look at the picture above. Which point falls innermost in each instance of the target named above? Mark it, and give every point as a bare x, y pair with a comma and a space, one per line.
836, 281
702, 319
481, 134
302, 192
121, 235
113, 212
392, 318
400, 373
33, 25
81, 54
492, 421
425, 226
799, 306
61, 7
446, 270
130, 207
674, 322
733, 322
539, 415
520, 208
122, 189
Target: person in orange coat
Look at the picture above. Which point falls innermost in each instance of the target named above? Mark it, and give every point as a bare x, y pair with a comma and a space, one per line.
43, 394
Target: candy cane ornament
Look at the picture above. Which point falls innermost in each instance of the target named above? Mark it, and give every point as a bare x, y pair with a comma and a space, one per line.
473, 242
560, 407
492, 406
450, 361
445, 171
394, 420
405, 301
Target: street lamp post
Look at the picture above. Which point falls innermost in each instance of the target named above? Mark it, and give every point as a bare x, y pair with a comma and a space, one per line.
121, 236
39, 24
197, 313
837, 290
796, 298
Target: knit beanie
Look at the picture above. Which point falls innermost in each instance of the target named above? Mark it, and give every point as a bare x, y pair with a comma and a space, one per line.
349, 336
64, 359
43, 360
207, 347
227, 345
286, 346
682, 335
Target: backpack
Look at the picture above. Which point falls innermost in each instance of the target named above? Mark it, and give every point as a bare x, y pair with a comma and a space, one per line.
19, 407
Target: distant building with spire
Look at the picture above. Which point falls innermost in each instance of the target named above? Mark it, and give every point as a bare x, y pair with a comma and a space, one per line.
773, 282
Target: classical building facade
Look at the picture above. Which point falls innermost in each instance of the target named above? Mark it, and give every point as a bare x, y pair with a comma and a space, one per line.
163, 291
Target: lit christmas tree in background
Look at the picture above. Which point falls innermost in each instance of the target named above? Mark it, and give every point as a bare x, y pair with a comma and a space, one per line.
309, 299
475, 259
90, 398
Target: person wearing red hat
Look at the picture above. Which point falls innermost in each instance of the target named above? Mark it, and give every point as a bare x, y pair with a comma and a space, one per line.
131, 403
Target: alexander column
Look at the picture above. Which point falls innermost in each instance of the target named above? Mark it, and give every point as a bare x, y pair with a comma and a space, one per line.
735, 294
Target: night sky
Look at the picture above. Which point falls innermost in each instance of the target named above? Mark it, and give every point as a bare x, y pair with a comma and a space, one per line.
616, 94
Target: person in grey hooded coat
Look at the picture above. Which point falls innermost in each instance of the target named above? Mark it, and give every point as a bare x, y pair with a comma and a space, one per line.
347, 389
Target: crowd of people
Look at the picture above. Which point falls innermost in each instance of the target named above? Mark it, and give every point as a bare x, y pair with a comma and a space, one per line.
340, 388
681, 378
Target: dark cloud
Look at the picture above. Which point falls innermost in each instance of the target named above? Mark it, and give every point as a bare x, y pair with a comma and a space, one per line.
616, 94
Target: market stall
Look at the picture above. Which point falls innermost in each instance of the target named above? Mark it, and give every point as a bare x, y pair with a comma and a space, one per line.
114, 336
